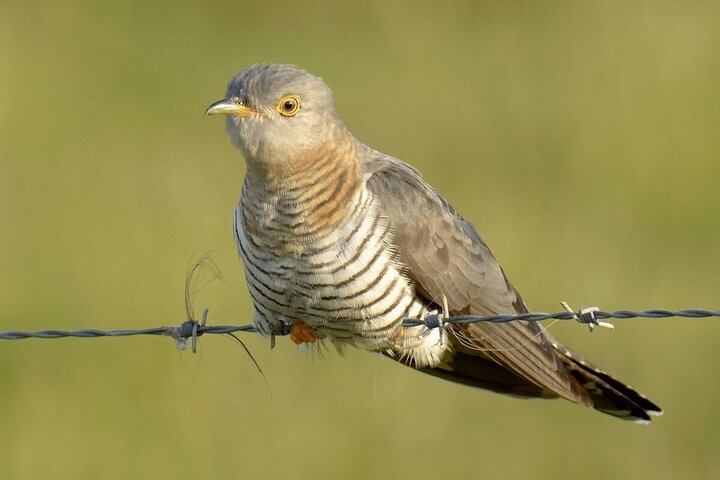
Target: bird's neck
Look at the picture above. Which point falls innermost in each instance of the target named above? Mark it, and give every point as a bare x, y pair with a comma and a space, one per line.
304, 195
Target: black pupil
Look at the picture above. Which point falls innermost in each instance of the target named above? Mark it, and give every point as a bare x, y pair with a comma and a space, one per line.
288, 105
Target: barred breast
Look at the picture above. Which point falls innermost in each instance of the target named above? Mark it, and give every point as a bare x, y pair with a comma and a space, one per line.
336, 271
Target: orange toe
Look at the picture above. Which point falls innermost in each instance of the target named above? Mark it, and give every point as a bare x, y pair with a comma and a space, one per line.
300, 332
398, 335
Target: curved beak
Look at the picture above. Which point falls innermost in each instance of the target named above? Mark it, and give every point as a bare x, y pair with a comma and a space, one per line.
229, 106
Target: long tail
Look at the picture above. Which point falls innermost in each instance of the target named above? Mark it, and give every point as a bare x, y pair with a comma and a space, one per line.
593, 387
608, 394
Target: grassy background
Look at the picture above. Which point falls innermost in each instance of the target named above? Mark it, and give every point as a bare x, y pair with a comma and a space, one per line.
581, 138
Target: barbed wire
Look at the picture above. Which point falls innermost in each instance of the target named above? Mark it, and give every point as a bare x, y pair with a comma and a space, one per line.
191, 329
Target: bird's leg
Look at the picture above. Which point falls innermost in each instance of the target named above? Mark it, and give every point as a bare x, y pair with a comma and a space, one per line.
300, 332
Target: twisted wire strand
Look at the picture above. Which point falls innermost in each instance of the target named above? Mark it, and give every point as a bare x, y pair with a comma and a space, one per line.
180, 331
192, 329
579, 317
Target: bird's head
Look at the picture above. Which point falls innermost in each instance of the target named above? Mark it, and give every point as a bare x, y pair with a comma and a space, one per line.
278, 112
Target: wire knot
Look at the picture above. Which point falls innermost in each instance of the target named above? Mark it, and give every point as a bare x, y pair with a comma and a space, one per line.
437, 320
434, 320
188, 329
586, 315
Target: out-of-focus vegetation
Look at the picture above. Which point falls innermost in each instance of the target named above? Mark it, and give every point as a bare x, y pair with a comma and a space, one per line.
581, 138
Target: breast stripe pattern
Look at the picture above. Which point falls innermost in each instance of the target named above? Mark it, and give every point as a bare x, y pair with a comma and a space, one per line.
346, 283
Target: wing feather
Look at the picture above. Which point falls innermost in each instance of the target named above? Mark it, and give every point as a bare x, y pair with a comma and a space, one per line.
444, 255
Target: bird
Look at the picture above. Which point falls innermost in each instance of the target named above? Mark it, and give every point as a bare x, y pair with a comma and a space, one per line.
341, 242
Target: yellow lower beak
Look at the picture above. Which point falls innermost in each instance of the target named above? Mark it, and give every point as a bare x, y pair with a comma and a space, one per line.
229, 106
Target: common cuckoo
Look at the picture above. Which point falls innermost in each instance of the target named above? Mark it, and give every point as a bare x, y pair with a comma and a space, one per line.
340, 241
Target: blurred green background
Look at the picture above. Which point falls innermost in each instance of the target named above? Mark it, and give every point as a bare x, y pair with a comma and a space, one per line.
581, 138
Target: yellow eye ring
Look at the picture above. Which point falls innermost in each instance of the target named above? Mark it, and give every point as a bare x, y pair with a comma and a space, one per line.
288, 106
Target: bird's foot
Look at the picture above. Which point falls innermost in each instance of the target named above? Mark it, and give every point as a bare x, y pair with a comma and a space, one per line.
300, 332
398, 335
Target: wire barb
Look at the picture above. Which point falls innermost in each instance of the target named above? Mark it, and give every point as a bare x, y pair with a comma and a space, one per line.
188, 329
586, 315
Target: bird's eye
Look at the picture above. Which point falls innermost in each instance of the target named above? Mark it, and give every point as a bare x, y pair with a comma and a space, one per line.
241, 102
288, 105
